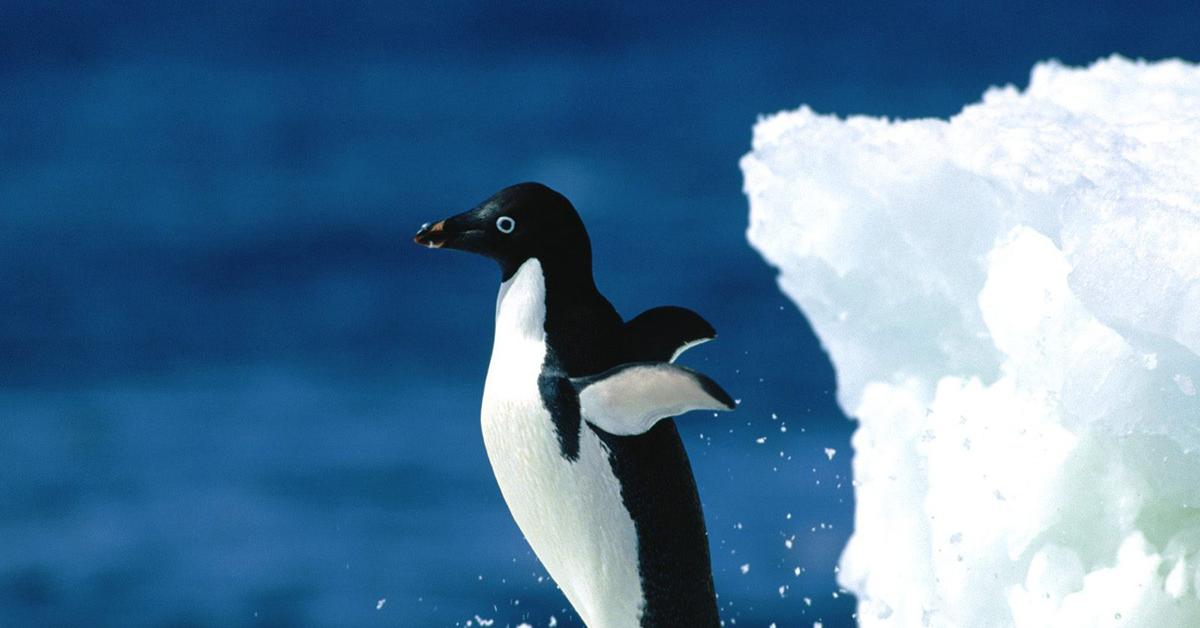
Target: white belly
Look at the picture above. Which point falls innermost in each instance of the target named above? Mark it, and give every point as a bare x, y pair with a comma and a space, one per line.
571, 513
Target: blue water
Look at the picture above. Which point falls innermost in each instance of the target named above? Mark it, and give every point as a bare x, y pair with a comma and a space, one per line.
232, 392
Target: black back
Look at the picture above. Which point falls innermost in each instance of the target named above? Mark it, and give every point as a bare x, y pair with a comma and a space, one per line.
660, 493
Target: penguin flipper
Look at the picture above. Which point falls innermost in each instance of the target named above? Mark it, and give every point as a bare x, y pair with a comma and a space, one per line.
629, 399
662, 333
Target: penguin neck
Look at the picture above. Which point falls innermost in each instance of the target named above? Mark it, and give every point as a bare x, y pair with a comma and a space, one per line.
568, 262
567, 274
521, 305
571, 281
558, 306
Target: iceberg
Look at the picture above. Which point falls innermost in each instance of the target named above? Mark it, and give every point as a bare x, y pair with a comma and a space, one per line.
1011, 302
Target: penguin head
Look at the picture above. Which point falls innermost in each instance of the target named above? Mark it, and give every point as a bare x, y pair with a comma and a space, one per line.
520, 222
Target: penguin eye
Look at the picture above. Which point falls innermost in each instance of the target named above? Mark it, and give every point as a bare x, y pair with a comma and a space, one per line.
506, 224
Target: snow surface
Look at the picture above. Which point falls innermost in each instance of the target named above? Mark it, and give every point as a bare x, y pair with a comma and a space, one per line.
1011, 301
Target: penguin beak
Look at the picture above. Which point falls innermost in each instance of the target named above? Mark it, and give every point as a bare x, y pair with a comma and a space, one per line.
460, 232
433, 236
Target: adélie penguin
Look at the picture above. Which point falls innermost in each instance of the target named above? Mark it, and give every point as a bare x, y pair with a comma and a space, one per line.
577, 423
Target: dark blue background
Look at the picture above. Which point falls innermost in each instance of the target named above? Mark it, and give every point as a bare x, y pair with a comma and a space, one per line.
233, 392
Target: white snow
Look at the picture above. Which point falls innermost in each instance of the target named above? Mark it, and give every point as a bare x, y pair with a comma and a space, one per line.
1011, 301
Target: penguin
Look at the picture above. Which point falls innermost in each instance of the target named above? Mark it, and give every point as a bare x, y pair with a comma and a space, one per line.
577, 418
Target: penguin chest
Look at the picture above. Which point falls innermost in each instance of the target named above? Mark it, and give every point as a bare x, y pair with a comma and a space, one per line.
570, 511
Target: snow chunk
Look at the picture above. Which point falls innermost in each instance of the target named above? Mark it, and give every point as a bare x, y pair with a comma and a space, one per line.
1010, 300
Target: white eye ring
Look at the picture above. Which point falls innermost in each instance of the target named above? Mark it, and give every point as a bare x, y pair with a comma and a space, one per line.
506, 224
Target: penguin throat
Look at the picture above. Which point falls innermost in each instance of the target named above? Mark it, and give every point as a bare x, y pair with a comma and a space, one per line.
521, 304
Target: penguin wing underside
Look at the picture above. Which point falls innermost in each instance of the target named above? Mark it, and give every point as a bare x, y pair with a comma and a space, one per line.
662, 333
629, 399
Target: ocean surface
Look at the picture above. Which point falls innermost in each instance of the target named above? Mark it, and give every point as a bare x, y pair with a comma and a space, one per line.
234, 393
